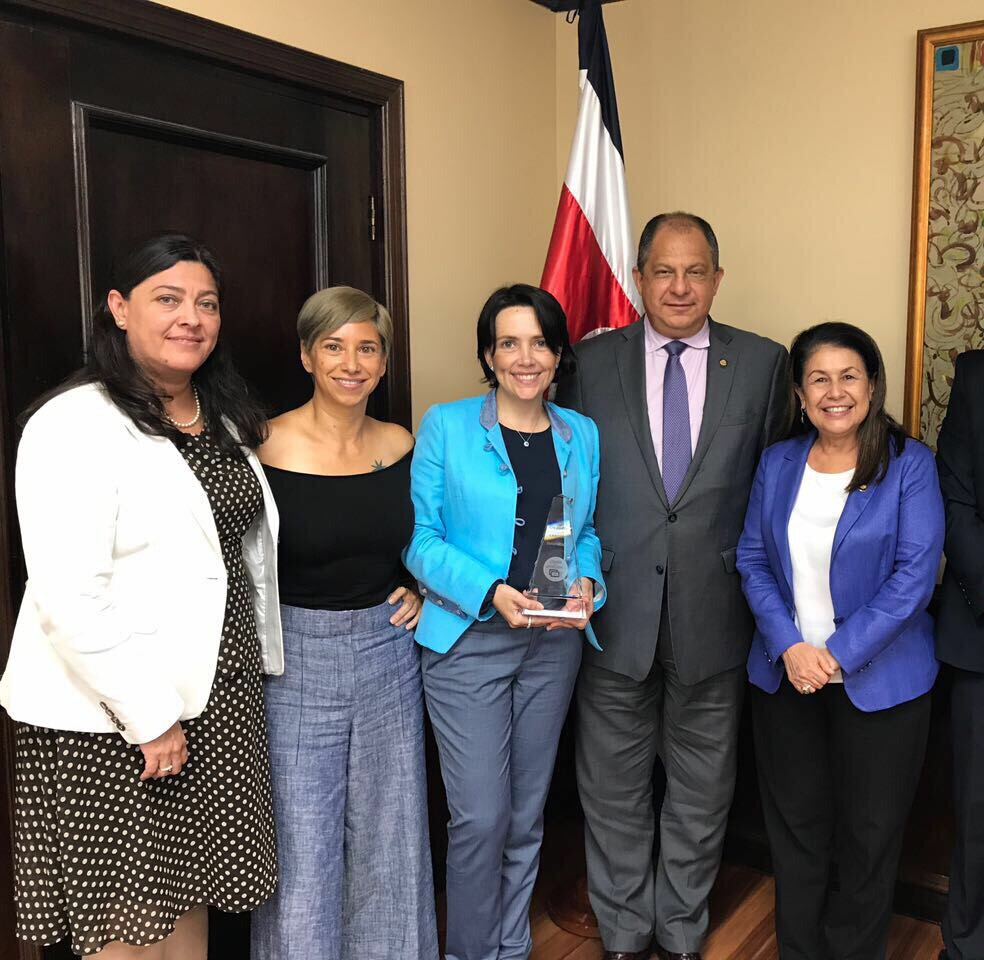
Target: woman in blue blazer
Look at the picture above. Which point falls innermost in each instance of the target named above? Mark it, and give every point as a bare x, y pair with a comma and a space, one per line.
497, 681
838, 560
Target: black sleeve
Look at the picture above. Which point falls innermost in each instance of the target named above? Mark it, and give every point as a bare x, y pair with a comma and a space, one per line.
487, 602
964, 545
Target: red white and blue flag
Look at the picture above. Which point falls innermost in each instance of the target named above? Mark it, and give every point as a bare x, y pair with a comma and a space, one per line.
589, 263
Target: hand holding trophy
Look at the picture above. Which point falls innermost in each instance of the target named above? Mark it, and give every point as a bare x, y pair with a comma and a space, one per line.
566, 598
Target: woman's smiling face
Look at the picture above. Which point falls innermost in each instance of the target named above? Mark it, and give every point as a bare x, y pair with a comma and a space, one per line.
835, 391
171, 320
522, 361
347, 364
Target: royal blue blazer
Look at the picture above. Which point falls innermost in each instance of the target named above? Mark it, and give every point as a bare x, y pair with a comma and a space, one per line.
883, 566
464, 495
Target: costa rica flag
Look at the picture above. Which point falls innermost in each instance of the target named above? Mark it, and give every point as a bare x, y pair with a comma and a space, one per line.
591, 255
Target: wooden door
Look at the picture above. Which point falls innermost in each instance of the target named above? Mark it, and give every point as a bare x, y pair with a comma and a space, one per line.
119, 119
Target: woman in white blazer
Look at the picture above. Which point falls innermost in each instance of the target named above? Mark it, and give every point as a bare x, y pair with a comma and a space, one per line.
150, 612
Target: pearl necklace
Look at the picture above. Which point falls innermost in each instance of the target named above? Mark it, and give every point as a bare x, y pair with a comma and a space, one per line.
193, 420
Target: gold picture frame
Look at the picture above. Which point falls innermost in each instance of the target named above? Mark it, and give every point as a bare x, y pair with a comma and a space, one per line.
946, 263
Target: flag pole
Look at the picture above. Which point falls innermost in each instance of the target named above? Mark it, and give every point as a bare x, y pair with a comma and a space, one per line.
591, 253
588, 269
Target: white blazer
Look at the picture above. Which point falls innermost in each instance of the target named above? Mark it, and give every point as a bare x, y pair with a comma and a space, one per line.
122, 615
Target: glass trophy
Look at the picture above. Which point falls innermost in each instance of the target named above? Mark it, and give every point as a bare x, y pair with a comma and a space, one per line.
556, 582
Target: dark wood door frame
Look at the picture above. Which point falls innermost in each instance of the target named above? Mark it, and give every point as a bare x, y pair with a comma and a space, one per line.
151, 23
142, 22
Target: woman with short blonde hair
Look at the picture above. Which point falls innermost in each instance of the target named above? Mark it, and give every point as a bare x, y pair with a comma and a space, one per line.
329, 310
346, 718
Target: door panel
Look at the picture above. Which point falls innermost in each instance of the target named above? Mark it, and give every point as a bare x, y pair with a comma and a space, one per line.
38, 211
263, 212
283, 219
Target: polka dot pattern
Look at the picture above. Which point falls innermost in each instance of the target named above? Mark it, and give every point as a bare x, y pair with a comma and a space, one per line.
100, 856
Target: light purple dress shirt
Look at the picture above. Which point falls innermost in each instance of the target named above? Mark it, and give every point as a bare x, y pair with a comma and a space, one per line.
694, 363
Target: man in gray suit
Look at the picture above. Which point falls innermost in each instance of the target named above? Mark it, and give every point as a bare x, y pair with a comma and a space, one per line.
684, 406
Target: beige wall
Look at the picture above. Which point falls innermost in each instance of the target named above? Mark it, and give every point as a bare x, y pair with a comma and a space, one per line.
480, 116
789, 125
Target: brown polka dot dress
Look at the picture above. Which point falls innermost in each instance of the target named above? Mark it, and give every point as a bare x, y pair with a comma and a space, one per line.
100, 856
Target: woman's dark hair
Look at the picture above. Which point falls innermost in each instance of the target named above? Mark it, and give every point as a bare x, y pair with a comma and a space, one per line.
879, 435
221, 390
549, 314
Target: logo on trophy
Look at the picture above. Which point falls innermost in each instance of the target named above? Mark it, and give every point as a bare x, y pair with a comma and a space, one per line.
556, 582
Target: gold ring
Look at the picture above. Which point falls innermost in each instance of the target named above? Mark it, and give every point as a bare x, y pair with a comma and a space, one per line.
529, 623
807, 688
167, 769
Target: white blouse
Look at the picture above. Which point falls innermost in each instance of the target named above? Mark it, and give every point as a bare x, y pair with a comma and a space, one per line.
812, 525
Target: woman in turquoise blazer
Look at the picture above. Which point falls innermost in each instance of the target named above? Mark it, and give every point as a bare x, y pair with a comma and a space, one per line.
498, 681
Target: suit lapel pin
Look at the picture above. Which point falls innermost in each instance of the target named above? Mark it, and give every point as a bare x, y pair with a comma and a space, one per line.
723, 362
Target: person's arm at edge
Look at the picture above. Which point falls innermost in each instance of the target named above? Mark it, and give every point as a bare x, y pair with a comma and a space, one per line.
955, 460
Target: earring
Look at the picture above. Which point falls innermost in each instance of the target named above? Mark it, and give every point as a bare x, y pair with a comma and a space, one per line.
803, 415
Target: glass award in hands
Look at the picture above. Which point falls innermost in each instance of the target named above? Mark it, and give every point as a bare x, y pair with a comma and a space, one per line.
556, 582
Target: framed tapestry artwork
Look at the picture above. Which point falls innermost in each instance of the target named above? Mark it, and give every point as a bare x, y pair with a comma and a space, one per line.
946, 269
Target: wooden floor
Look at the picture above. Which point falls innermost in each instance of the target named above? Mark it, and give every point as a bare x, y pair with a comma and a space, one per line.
742, 927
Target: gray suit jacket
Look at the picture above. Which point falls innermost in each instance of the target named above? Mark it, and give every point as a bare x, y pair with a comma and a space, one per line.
691, 541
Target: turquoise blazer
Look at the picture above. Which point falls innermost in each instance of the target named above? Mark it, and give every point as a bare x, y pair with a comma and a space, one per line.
464, 497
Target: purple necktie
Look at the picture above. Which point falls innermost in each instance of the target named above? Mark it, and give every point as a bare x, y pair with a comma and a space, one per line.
677, 453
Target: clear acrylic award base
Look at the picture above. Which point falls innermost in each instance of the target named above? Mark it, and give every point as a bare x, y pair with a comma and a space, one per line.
555, 581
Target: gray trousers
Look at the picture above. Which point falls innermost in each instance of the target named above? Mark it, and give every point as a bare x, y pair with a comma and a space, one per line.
622, 726
497, 701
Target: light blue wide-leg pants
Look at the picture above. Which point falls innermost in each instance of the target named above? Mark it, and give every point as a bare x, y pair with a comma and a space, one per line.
349, 794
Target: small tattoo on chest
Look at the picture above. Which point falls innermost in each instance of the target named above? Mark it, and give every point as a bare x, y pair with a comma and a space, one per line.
378, 465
